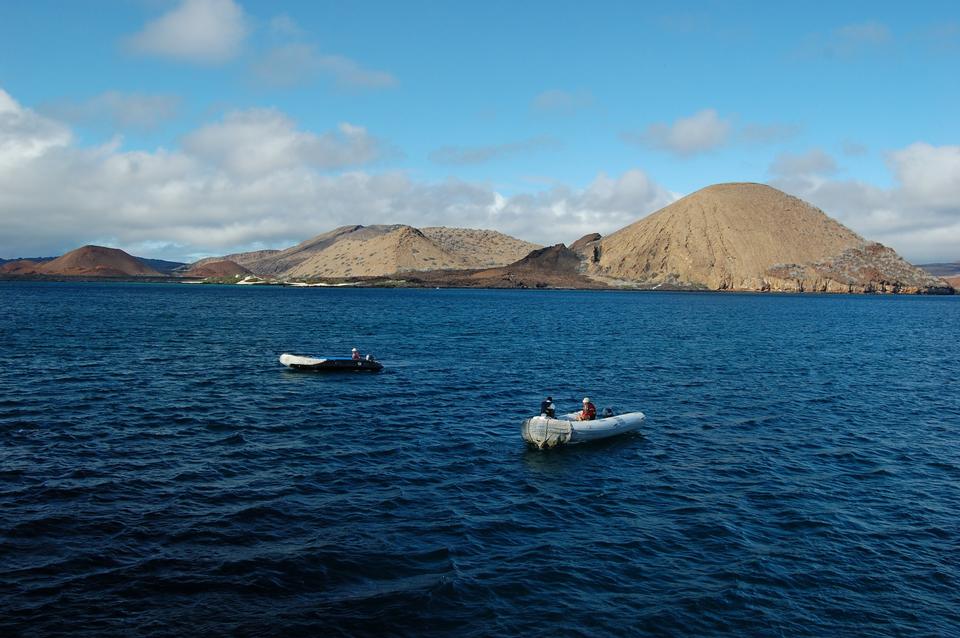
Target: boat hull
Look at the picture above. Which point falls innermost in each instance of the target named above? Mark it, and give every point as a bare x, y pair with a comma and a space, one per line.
544, 432
330, 364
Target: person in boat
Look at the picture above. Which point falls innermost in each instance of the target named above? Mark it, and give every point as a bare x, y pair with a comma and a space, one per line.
547, 408
589, 412
356, 354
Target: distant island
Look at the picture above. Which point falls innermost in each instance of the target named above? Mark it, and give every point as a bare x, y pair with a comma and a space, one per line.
739, 237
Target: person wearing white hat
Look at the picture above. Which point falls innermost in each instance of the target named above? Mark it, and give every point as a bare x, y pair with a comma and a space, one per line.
356, 354
589, 412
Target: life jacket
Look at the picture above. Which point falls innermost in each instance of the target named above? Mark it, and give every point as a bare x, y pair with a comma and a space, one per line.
589, 412
356, 356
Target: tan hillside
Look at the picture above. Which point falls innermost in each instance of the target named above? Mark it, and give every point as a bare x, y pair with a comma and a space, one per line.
584, 245
221, 268
97, 261
750, 237
359, 254
954, 282
286, 260
479, 248
19, 267
362, 251
241, 259
279, 262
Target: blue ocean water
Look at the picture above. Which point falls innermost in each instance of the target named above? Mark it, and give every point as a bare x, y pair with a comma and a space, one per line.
162, 475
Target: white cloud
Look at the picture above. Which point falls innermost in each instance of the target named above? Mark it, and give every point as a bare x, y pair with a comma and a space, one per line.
463, 155
253, 180
260, 141
703, 131
930, 174
566, 214
117, 110
919, 216
199, 31
299, 63
561, 102
24, 134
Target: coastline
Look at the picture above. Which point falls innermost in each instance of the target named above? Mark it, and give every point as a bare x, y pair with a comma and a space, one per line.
457, 283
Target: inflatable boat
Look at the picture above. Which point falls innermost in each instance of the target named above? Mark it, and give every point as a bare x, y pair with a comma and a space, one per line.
331, 364
545, 432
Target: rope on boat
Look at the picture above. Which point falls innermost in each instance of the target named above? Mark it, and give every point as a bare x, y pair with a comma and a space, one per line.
546, 433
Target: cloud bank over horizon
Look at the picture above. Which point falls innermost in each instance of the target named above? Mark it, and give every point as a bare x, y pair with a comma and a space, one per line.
254, 179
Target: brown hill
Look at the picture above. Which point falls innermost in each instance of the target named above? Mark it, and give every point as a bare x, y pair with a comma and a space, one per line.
751, 237
479, 248
222, 268
953, 281
241, 259
19, 267
551, 267
97, 261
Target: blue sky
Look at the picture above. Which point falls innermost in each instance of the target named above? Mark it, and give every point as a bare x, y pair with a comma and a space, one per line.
184, 128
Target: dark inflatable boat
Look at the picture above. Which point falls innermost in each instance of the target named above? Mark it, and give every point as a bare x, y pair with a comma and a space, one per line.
331, 364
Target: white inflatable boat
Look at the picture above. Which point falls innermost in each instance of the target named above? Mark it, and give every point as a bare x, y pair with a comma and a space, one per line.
331, 364
544, 432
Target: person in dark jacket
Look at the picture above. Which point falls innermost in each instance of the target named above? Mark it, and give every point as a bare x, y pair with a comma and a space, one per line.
589, 412
356, 354
547, 408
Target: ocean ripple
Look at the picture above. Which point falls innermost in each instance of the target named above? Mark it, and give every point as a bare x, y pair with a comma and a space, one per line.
162, 475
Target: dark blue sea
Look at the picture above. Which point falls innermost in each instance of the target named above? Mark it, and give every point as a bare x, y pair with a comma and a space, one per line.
162, 475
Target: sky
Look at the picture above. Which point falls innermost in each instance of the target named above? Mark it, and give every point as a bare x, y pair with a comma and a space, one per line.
179, 129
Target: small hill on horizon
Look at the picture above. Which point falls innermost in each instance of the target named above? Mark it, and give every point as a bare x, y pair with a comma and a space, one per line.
945, 269
19, 267
97, 261
162, 266
241, 259
36, 260
221, 268
744, 236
